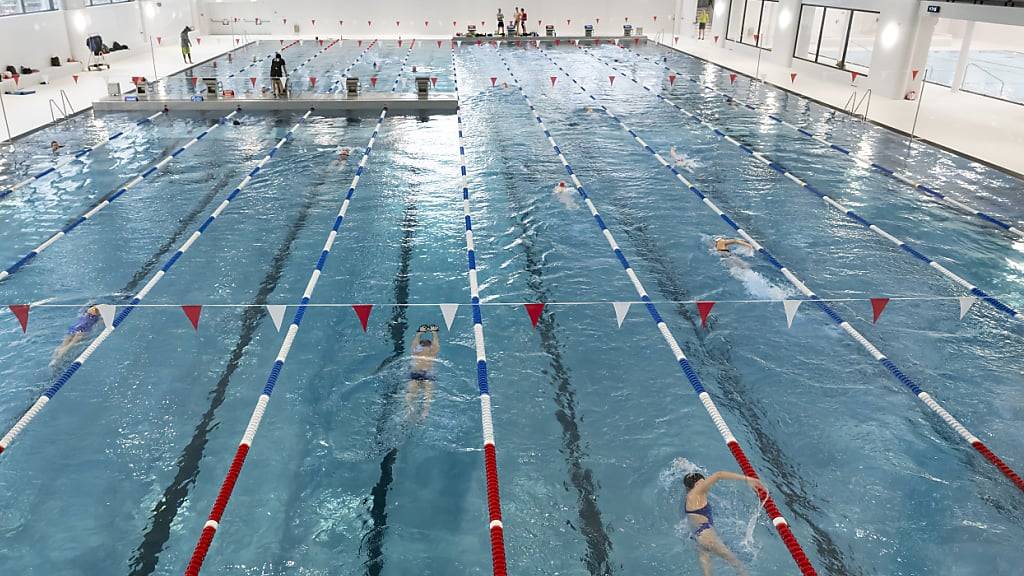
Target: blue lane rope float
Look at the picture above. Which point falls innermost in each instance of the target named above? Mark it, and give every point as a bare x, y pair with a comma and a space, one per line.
107, 201
850, 214
122, 315
780, 523
401, 67
234, 470
495, 527
76, 156
875, 353
861, 160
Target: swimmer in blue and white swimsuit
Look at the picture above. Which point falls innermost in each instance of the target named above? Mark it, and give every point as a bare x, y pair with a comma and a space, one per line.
699, 512
77, 332
420, 389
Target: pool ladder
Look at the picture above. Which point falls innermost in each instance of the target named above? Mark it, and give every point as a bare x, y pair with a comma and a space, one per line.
853, 104
64, 109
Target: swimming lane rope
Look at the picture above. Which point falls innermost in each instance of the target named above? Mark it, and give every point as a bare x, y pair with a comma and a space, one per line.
780, 523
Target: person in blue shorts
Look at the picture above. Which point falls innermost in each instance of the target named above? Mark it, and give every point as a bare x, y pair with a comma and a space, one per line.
698, 511
77, 332
425, 346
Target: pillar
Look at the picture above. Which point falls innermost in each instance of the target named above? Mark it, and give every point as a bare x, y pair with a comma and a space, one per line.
965, 54
897, 44
785, 33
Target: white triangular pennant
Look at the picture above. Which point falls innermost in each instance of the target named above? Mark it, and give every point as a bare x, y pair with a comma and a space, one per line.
791, 306
107, 313
276, 314
448, 311
621, 309
499, 43
965, 304
459, 42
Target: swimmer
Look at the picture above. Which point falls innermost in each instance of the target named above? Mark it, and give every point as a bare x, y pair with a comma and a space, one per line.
565, 195
236, 123
76, 333
698, 511
722, 244
589, 109
681, 160
55, 146
504, 85
421, 376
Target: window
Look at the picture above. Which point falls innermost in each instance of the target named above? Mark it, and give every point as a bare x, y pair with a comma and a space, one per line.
9, 7
836, 37
752, 22
104, 2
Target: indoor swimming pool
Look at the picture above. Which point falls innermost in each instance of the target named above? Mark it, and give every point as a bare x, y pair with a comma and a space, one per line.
594, 421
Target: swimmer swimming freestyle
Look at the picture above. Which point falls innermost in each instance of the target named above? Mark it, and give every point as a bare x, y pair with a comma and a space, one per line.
77, 332
425, 345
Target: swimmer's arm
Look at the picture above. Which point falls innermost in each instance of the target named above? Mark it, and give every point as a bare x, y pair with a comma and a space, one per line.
415, 339
705, 486
745, 243
435, 343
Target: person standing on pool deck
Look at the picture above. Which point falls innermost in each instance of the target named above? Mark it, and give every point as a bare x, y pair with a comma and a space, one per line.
277, 66
421, 374
77, 332
698, 511
501, 22
702, 23
522, 18
186, 45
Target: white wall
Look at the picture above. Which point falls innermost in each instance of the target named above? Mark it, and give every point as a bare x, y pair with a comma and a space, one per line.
20, 36
31, 39
606, 16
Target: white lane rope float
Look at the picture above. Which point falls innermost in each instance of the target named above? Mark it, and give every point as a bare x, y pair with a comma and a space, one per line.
108, 200
82, 358
850, 214
790, 276
76, 156
780, 523
861, 160
212, 524
495, 527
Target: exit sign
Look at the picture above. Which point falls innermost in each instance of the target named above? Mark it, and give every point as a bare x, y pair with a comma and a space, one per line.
934, 9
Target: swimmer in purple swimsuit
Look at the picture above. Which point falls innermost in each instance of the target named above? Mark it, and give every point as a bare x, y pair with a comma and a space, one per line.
421, 376
77, 332
698, 511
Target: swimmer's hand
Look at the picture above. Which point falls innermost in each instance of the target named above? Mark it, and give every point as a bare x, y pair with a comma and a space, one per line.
754, 484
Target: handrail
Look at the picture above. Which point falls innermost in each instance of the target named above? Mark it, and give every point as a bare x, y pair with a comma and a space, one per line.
1002, 85
64, 99
850, 102
63, 113
865, 97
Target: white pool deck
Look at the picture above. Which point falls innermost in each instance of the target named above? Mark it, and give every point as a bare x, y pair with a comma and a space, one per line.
977, 126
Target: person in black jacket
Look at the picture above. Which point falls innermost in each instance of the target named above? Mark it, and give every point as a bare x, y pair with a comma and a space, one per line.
277, 75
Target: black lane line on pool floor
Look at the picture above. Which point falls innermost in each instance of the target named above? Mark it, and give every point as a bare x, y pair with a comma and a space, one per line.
592, 526
146, 557
373, 535
787, 479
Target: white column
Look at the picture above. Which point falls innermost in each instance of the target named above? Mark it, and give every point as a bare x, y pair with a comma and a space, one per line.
687, 15
897, 41
919, 60
785, 32
719, 22
965, 54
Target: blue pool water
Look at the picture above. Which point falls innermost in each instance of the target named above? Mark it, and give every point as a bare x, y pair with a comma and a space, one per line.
594, 423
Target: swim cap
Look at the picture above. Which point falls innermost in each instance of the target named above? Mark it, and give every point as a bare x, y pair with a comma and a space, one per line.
691, 479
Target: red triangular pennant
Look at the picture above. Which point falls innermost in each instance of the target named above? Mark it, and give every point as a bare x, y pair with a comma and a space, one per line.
672, 79
284, 20
478, 42
439, 43
655, 18
21, 313
75, 77
716, 39
704, 308
321, 43
193, 312
399, 42
914, 73
359, 42
877, 305
853, 75
567, 21
373, 80
792, 76
553, 80
454, 23
312, 81
675, 39
159, 40
314, 22
636, 41
195, 79
199, 40
534, 310
16, 78
369, 22
611, 80
494, 80
398, 22
253, 80
363, 312
433, 81
732, 78
426, 23
558, 42
598, 20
